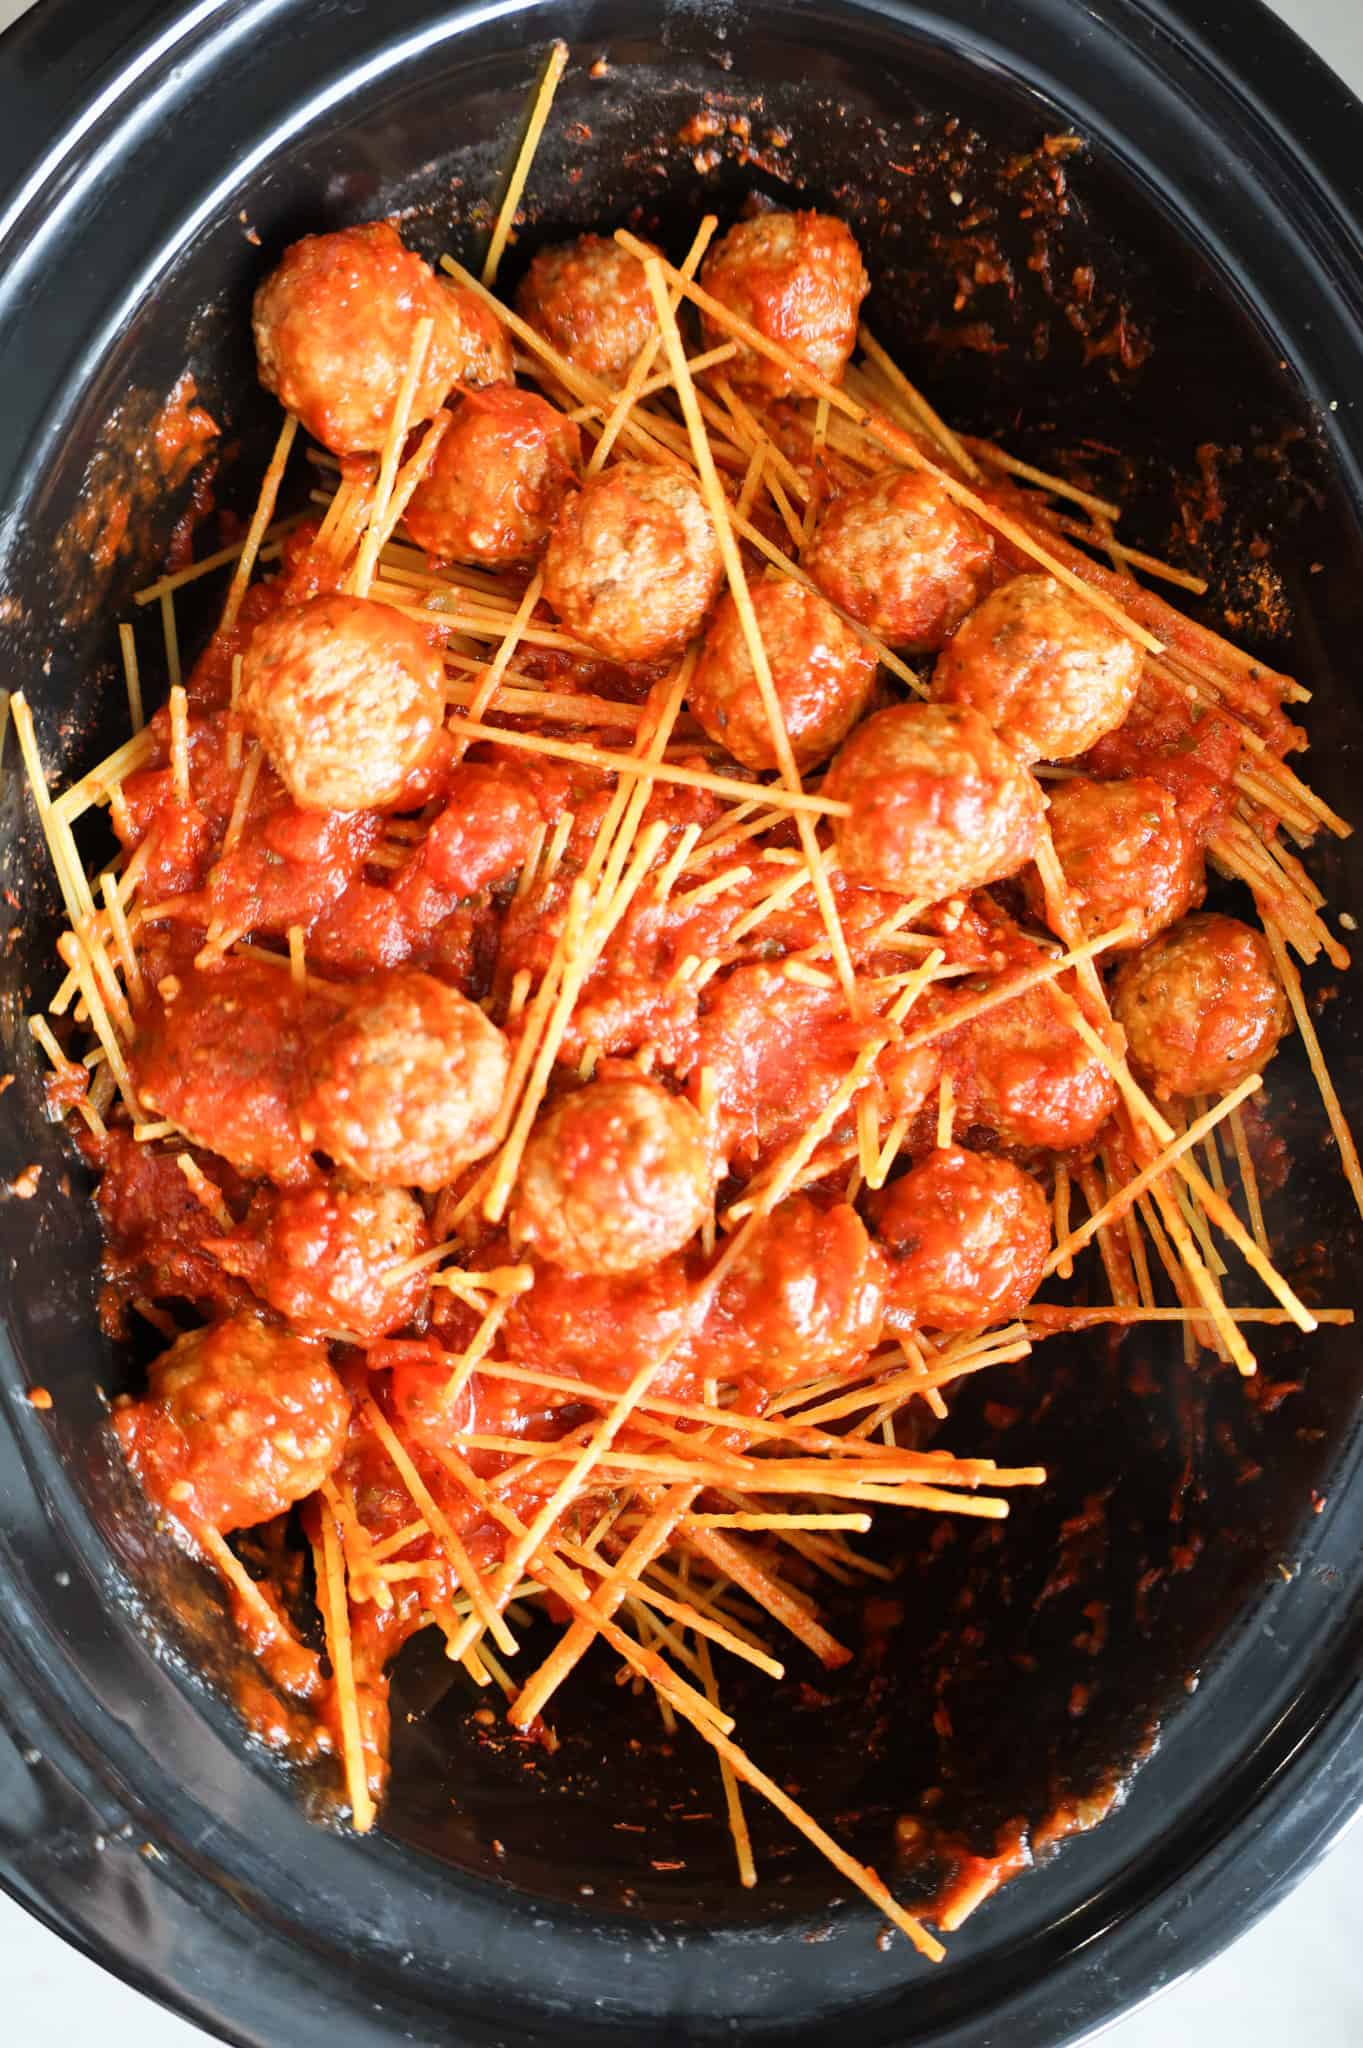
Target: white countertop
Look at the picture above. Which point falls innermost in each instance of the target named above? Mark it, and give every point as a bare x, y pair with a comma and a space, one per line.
1294, 1978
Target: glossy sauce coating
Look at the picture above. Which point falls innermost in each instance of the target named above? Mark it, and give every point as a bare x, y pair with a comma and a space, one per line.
600, 1327
1201, 1006
1125, 854
499, 477
798, 278
240, 1420
1047, 670
822, 674
346, 696
896, 554
1025, 1074
616, 1175
323, 1257
218, 1053
966, 1237
404, 1087
939, 804
806, 1296
633, 565
335, 324
590, 298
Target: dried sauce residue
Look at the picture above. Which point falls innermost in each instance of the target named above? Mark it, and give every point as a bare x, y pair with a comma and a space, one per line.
150, 450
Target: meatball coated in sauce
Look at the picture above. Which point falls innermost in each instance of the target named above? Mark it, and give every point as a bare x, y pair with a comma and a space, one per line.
404, 1088
798, 278
590, 299
615, 1176
966, 1238
498, 480
633, 564
218, 1054
938, 803
822, 674
335, 325
600, 1326
239, 1421
1125, 853
1024, 1073
323, 1258
1048, 671
805, 1296
1201, 1006
899, 556
346, 697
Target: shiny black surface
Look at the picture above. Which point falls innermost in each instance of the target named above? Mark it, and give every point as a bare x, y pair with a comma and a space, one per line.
1223, 200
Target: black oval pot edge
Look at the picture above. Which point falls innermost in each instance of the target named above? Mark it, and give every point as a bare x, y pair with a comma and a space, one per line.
165, 1926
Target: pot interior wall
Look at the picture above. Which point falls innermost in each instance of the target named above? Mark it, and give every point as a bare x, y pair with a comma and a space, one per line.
1038, 294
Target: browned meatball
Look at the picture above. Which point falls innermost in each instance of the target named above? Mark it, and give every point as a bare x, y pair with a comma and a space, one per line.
1125, 852
804, 1297
615, 1176
1201, 1006
798, 278
1048, 671
939, 805
590, 298
498, 480
967, 1238
898, 555
324, 1257
218, 1054
335, 324
404, 1088
239, 1422
633, 562
346, 697
822, 674
1023, 1072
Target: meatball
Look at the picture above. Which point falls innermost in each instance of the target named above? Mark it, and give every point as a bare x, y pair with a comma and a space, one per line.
218, 1054
798, 278
404, 1088
822, 674
1048, 671
805, 1296
898, 555
590, 298
776, 1051
601, 1327
322, 1258
334, 327
1023, 1072
615, 1176
346, 697
238, 1423
1125, 851
499, 478
1201, 1006
633, 563
938, 804
966, 1238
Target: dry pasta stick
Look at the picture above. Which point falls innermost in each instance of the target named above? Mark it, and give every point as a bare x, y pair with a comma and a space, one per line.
131, 676
752, 634
1249, 1181
1058, 486
332, 1599
632, 390
228, 1565
708, 359
363, 573
1118, 1204
467, 1573
899, 444
1339, 1123
260, 520
172, 637
936, 426
555, 66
